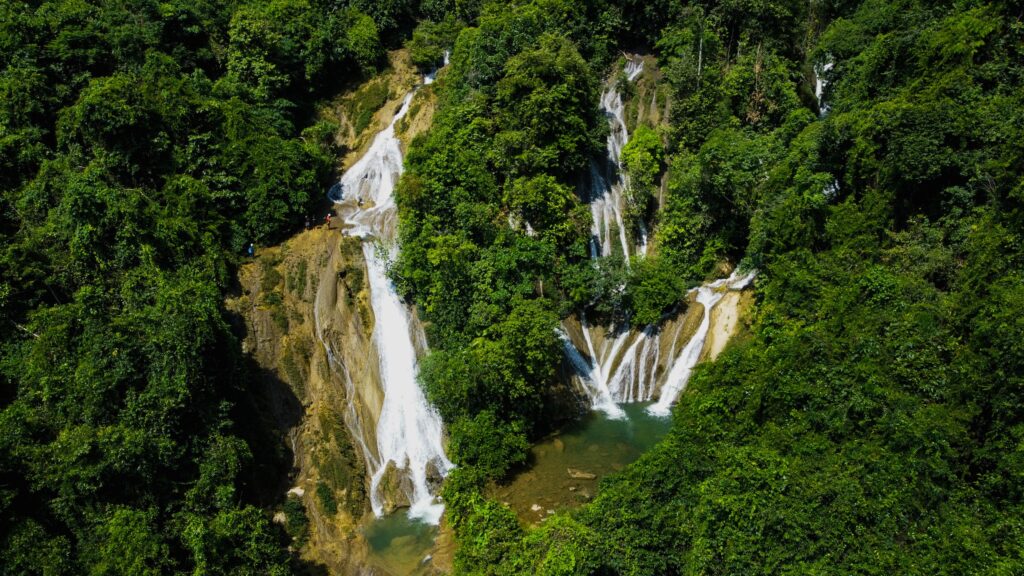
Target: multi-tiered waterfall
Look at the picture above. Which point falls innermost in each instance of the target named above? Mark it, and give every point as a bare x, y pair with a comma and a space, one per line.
629, 364
608, 182
408, 432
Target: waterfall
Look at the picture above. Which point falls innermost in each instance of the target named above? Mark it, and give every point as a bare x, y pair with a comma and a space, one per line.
607, 206
820, 70
601, 399
409, 431
623, 365
633, 69
429, 78
607, 183
707, 295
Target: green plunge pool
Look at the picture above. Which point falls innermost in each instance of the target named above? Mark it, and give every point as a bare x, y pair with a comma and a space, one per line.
400, 545
563, 472
565, 468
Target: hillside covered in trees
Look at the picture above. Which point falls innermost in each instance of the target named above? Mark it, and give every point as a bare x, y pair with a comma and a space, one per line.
142, 145
864, 157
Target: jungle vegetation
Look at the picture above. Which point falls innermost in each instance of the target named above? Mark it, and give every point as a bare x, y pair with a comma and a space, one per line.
142, 145
872, 422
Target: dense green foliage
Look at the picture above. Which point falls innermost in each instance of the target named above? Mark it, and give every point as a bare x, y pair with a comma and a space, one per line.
517, 123
873, 422
142, 144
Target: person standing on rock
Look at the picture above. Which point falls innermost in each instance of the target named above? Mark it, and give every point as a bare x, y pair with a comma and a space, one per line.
328, 220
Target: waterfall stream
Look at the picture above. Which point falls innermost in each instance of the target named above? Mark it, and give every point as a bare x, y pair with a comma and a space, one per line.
707, 296
607, 181
820, 71
409, 433
622, 366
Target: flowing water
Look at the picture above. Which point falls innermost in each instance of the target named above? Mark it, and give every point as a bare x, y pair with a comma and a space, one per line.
607, 182
409, 434
820, 70
707, 295
627, 364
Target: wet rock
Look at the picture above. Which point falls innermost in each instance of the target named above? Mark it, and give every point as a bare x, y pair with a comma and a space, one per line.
580, 474
536, 508
393, 492
434, 477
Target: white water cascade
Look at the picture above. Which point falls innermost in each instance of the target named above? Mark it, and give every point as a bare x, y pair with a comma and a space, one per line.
707, 296
631, 365
634, 365
409, 432
607, 182
820, 70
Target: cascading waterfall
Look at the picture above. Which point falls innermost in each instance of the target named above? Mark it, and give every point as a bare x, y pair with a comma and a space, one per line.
409, 431
707, 296
601, 399
607, 206
623, 365
820, 70
429, 78
607, 183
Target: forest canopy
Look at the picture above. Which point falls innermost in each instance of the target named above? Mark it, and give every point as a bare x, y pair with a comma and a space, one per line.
872, 421
142, 145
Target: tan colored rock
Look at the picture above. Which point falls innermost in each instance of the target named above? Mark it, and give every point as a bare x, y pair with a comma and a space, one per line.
580, 474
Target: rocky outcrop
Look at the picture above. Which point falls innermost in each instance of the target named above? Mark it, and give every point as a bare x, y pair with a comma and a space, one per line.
288, 290
657, 354
727, 320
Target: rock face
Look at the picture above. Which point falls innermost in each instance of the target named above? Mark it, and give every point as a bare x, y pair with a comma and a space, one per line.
304, 316
284, 291
394, 488
434, 478
726, 318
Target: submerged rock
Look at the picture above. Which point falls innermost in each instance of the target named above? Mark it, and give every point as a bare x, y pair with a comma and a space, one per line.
580, 474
